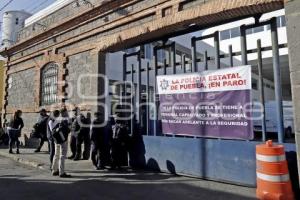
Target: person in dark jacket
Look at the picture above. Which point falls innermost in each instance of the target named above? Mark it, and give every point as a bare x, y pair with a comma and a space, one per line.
119, 148
14, 130
87, 137
75, 129
42, 125
83, 137
101, 136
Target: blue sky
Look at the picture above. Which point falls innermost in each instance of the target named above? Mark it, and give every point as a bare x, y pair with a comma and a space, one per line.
31, 6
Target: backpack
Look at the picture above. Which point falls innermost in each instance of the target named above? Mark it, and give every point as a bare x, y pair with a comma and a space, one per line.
35, 131
60, 132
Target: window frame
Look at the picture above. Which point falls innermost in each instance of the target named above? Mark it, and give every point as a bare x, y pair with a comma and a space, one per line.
49, 91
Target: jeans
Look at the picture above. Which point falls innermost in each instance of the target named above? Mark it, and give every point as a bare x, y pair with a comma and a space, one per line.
95, 155
42, 141
85, 139
73, 145
100, 155
119, 153
61, 151
13, 135
51, 150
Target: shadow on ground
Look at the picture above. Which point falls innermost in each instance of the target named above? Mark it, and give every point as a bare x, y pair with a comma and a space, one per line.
126, 175
16, 188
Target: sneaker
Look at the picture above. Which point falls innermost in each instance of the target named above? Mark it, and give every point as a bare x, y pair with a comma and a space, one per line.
56, 173
65, 175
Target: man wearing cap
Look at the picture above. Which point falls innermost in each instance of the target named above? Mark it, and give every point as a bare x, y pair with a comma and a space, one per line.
41, 128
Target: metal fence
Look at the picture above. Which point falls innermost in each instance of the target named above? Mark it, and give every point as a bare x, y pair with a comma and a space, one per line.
151, 68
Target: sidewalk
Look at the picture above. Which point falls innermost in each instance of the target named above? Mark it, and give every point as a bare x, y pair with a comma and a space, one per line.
83, 172
41, 160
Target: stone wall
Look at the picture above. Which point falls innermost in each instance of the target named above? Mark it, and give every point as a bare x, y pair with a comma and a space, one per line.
1, 82
68, 12
75, 38
80, 78
21, 89
111, 19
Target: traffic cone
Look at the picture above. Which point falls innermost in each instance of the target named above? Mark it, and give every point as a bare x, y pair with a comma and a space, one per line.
273, 179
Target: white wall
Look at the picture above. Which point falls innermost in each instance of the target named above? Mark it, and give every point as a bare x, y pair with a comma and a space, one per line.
13, 22
47, 11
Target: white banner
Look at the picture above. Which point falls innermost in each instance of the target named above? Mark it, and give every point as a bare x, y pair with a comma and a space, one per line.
228, 79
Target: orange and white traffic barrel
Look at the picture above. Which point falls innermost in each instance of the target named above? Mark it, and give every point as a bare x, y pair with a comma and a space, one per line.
273, 179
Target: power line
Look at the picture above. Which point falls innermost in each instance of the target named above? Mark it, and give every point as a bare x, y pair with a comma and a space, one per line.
1, 9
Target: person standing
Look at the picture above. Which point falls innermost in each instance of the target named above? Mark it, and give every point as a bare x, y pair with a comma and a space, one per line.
87, 137
50, 138
101, 136
14, 130
60, 130
119, 148
42, 129
83, 129
0, 120
75, 130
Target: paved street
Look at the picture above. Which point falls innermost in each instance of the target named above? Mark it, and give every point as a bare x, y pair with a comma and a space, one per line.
18, 181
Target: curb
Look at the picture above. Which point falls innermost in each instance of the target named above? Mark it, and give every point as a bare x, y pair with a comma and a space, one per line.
23, 161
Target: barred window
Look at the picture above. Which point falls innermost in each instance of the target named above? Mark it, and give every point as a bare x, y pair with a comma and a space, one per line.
49, 76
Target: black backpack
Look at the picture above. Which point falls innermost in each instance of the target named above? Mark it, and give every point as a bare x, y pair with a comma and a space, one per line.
60, 132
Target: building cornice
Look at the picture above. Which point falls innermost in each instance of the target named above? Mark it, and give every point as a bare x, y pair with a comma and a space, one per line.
210, 12
101, 9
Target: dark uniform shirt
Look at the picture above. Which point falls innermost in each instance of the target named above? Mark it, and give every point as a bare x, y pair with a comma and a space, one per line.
16, 123
42, 125
75, 126
101, 135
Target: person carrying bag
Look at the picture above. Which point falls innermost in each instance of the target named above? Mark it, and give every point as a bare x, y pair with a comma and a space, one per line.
59, 128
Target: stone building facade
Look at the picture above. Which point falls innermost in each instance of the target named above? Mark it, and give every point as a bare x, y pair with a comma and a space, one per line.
77, 37
1, 81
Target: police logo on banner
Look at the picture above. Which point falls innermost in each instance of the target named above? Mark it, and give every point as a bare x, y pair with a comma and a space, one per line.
215, 103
